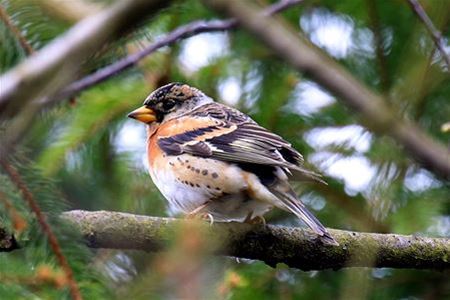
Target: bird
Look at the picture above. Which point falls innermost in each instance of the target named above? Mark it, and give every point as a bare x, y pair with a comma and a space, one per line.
209, 159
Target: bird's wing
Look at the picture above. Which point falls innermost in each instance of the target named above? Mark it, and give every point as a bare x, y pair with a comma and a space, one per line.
227, 134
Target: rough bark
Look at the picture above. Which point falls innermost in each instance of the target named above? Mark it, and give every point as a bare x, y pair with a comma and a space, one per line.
294, 247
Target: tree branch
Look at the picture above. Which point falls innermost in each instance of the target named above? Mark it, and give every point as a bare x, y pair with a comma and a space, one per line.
272, 244
182, 32
56, 64
15, 31
305, 57
435, 34
45, 83
53, 241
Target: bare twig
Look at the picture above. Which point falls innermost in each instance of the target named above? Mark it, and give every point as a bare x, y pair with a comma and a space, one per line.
305, 57
434, 32
181, 32
53, 241
19, 125
272, 244
46, 72
16, 32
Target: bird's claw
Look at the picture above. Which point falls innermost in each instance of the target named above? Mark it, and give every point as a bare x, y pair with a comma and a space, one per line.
257, 220
201, 216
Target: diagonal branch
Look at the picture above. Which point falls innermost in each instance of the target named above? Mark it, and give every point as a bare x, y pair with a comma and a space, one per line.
434, 32
15, 31
53, 241
46, 72
182, 32
272, 244
305, 57
45, 83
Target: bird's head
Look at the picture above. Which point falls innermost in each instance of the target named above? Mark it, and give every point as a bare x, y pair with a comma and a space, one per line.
169, 101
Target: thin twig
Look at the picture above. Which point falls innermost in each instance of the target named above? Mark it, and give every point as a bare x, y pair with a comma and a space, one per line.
54, 66
424, 87
181, 32
16, 32
302, 55
434, 32
53, 241
22, 40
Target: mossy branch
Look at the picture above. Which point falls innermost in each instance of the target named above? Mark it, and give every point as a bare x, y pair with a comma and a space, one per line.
294, 247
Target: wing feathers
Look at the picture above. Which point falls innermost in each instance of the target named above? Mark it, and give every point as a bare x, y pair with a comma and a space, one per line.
230, 135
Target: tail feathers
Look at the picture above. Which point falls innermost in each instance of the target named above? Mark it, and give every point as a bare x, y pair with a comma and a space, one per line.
302, 174
306, 216
294, 205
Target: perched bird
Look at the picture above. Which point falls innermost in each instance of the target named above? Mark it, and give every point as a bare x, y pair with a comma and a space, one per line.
212, 160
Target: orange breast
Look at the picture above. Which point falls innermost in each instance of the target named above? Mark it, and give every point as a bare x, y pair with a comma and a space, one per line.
170, 128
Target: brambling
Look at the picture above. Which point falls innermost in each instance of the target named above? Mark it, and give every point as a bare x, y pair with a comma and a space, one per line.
212, 160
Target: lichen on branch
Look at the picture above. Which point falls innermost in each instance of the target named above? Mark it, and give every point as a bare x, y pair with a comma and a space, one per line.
294, 247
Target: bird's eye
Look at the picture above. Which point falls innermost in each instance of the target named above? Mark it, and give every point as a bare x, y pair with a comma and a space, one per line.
169, 104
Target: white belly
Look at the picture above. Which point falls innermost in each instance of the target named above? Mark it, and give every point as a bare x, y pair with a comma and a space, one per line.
182, 198
189, 182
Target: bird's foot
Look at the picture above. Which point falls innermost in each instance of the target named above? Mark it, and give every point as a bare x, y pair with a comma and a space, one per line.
198, 214
257, 220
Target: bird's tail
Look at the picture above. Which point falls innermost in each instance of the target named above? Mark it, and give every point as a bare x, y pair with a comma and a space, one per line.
294, 205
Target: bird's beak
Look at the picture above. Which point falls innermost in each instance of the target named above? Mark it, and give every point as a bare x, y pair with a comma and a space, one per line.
143, 114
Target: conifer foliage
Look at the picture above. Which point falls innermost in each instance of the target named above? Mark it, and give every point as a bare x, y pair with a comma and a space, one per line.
366, 101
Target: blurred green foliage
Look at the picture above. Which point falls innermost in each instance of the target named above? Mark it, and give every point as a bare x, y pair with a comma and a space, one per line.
87, 155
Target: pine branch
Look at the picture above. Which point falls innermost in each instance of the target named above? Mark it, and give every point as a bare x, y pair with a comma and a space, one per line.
434, 32
53, 241
272, 244
30, 84
18, 221
15, 31
50, 69
182, 32
305, 57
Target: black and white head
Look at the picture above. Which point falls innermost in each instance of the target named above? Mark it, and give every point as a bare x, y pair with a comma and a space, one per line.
168, 102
